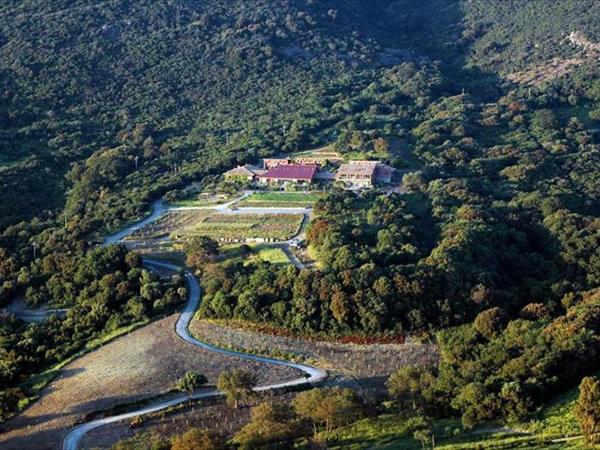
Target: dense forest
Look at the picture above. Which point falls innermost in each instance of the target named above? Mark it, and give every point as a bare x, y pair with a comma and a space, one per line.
105, 107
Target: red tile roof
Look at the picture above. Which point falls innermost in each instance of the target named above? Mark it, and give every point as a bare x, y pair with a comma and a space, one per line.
292, 172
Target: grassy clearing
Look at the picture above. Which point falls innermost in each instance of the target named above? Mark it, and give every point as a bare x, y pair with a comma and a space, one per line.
205, 199
274, 255
280, 199
394, 431
388, 431
247, 226
558, 418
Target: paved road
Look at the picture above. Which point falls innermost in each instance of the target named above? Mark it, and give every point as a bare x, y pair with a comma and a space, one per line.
158, 208
311, 374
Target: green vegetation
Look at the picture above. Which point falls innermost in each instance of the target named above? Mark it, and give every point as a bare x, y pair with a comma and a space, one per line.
107, 291
247, 253
273, 255
203, 201
236, 227
190, 381
494, 248
237, 385
588, 409
280, 199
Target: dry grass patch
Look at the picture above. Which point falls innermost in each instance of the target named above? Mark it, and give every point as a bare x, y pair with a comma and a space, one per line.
139, 365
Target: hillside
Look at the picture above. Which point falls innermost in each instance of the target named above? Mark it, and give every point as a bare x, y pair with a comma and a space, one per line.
485, 244
174, 81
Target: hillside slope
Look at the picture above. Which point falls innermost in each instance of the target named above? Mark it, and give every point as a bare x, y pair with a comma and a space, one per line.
219, 80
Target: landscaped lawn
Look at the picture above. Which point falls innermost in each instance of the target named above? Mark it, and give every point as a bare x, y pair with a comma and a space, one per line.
265, 252
274, 255
247, 226
280, 199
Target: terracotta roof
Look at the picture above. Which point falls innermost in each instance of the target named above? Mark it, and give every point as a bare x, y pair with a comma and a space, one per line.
241, 171
357, 169
291, 172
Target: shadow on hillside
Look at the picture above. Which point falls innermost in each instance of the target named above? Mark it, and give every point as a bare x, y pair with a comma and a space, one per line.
18, 433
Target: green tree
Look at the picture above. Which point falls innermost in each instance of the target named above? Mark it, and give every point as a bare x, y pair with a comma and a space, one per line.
9, 399
269, 422
407, 384
587, 409
423, 436
200, 250
196, 439
237, 384
331, 407
490, 322
190, 382
476, 403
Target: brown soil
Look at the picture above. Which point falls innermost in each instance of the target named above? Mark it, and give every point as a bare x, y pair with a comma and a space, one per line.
369, 365
211, 415
139, 365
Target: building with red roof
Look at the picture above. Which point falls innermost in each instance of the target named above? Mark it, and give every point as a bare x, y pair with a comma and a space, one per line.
286, 173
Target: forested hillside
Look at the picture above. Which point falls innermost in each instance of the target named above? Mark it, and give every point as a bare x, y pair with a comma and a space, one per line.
107, 106
171, 83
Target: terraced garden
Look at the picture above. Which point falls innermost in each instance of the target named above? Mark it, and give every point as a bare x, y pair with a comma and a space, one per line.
280, 199
239, 227
368, 365
167, 223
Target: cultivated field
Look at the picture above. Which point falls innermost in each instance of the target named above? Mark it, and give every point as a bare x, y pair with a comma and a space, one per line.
280, 199
140, 365
370, 365
225, 227
238, 227
169, 222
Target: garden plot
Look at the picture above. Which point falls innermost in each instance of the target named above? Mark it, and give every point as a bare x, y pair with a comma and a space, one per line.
167, 223
280, 199
254, 252
242, 227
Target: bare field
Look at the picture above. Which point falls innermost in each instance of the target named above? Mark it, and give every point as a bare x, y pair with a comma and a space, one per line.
209, 415
370, 364
139, 365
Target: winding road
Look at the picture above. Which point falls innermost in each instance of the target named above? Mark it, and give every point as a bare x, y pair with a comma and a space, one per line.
311, 374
